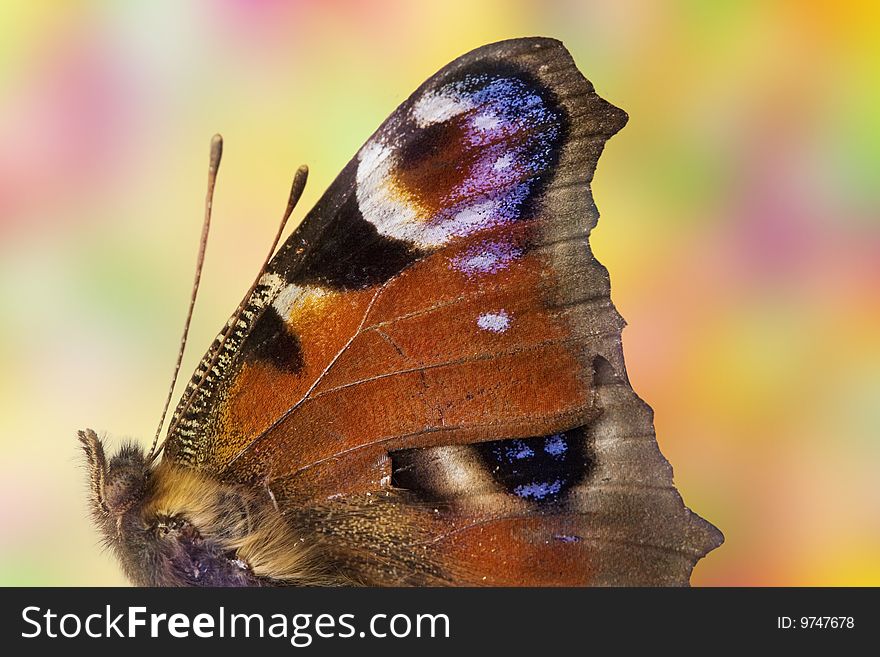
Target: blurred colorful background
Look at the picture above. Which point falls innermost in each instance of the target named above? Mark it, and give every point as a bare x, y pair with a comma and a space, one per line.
740, 222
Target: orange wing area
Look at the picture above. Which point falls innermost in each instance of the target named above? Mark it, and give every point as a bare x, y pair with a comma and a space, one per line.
261, 392
421, 371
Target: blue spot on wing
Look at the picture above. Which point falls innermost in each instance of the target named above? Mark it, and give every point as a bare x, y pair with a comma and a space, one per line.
567, 538
556, 445
518, 450
540, 469
538, 490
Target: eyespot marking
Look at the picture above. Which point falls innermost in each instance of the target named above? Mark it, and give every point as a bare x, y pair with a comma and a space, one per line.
540, 470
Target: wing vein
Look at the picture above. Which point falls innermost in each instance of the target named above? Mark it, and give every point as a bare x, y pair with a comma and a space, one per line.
318, 380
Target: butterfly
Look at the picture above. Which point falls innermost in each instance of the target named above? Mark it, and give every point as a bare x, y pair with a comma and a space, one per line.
426, 384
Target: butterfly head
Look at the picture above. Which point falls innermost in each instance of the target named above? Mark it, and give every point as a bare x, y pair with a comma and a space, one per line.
119, 488
119, 485
172, 526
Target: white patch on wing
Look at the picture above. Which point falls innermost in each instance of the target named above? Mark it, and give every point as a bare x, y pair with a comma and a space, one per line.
394, 217
494, 322
474, 215
391, 212
480, 263
271, 281
292, 296
452, 470
503, 162
485, 121
373, 157
434, 107
464, 222
488, 257
286, 298
391, 215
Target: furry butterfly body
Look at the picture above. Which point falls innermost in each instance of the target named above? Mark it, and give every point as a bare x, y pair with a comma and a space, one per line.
426, 386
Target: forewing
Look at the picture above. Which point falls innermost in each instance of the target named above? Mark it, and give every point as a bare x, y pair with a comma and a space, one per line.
438, 308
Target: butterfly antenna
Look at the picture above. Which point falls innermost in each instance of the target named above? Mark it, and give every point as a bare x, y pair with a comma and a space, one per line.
296, 190
213, 167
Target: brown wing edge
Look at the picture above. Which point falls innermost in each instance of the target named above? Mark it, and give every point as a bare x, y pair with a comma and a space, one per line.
626, 424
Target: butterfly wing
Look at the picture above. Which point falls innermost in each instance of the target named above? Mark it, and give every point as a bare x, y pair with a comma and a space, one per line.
430, 372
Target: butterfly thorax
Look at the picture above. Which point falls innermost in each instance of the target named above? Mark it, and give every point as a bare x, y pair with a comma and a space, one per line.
172, 526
